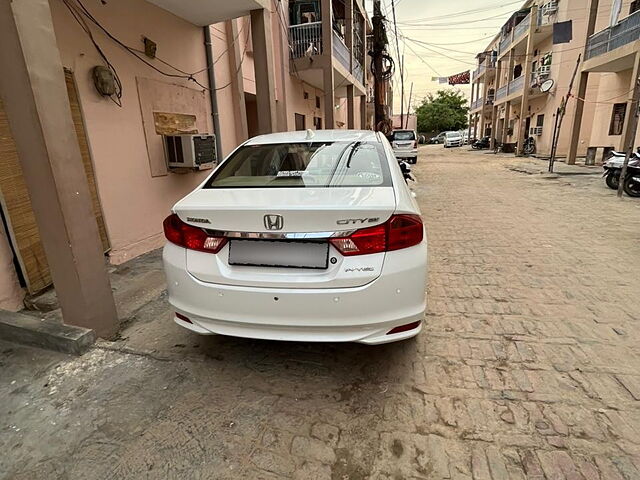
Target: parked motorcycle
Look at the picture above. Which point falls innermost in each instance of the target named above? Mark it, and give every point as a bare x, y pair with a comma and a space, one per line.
632, 181
481, 143
613, 168
406, 171
529, 146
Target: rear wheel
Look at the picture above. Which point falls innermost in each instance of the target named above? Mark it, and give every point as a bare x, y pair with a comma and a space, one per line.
414, 160
612, 180
632, 187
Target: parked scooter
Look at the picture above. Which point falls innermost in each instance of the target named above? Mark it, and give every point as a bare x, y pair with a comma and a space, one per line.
613, 167
632, 180
406, 171
481, 143
529, 146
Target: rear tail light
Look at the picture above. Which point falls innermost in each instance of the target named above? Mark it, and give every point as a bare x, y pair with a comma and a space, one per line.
193, 238
400, 231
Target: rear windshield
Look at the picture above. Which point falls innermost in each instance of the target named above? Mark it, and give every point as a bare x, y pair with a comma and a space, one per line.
299, 165
408, 135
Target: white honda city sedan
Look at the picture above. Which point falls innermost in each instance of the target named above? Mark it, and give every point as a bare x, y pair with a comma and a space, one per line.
302, 236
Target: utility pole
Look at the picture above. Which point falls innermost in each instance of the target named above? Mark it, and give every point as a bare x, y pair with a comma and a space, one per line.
632, 128
409, 105
401, 63
560, 116
379, 45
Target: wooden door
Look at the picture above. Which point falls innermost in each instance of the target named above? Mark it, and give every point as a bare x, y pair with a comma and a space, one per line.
16, 203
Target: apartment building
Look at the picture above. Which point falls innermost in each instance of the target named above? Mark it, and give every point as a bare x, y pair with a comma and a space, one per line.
608, 76
235, 69
522, 76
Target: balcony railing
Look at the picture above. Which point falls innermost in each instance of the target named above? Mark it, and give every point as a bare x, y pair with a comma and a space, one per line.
504, 44
305, 39
522, 27
477, 103
512, 87
502, 92
515, 34
623, 33
341, 52
516, 85
358, 72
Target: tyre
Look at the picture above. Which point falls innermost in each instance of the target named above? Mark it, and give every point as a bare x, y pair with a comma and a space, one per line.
612, 180
632, 187
414, 160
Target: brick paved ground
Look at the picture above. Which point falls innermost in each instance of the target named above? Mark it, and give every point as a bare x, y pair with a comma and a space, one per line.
528, 366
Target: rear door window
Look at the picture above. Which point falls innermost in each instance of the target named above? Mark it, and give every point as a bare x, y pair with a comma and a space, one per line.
404, 135
300, 165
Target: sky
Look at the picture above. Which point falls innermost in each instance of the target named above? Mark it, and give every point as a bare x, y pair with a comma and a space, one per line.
452, 32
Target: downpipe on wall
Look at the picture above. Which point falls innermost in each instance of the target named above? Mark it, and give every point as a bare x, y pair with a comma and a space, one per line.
208, 47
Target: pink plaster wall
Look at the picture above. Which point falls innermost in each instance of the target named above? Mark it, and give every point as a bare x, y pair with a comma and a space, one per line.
134, 202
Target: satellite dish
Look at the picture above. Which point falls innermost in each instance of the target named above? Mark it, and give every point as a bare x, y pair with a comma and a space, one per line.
546, 86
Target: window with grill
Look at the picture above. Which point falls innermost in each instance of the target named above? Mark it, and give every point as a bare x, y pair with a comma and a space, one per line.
317, 123
634, 7
300, 122
317, 102
617, 118
540, 121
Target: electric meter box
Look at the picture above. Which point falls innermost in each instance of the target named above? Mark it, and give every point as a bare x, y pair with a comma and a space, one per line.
196, 151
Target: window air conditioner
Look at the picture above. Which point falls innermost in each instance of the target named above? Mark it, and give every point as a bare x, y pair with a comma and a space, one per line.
544, 70
196, 151
535, 131
550, 8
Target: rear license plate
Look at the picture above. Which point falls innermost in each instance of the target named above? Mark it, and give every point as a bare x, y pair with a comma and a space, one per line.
279, 253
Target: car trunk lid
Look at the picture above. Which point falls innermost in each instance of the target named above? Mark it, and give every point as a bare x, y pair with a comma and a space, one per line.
279, 235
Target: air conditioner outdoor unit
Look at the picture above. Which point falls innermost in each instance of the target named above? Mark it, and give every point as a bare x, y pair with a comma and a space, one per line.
195, 151
550, 8
544, 70
535, 131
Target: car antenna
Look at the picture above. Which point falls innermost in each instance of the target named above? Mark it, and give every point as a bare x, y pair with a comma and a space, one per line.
310, 134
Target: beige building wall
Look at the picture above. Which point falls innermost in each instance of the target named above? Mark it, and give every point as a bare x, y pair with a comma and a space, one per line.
607, 89
134, 202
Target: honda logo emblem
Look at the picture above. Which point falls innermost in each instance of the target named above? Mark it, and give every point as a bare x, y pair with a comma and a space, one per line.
273, 222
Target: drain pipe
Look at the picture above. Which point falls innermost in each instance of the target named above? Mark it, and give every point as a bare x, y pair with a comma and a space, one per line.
208, 47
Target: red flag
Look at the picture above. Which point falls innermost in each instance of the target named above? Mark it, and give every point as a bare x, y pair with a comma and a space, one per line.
460, 78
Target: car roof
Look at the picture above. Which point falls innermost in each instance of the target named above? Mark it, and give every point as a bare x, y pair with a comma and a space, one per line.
303, 136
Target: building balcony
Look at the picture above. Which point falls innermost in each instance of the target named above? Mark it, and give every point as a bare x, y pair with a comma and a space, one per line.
307, 53
612, 49
517, 33
510, 91
207, 13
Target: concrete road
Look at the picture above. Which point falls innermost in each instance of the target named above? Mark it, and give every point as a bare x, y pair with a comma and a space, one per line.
529, 365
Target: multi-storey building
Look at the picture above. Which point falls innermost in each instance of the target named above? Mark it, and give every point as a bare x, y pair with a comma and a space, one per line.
522, 76
608, 76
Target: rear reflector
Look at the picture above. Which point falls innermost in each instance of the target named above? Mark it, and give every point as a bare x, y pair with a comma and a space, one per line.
183, 318
400, 231
404, 328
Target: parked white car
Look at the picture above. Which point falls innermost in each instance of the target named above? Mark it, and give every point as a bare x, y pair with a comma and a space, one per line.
405, 145
453, 139
300, 236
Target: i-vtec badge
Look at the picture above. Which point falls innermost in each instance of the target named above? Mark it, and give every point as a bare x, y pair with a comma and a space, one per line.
357, 221
359, 269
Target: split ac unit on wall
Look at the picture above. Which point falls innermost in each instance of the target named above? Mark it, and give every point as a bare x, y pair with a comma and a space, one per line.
194, 151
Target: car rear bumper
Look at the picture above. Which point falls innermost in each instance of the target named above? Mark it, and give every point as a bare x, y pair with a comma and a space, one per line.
360, 314
406, 153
